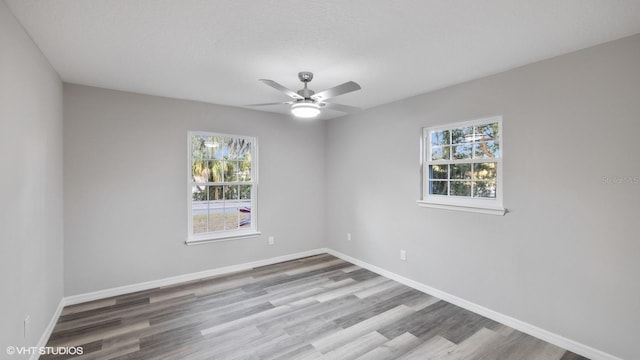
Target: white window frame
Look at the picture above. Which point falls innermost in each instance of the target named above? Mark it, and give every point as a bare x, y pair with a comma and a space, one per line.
493, 206
222, 235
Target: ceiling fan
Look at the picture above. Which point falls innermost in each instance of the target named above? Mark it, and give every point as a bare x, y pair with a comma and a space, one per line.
307, 103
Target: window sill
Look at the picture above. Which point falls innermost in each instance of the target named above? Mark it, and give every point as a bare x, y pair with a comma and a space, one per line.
466, 208
222, 237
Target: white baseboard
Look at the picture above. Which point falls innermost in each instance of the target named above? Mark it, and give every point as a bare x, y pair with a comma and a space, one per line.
48, 330
101, 294
558, 340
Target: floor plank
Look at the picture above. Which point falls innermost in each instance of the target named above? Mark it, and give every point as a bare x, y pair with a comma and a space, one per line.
392, 349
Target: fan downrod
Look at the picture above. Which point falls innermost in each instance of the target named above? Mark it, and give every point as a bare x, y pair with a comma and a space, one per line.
306, 77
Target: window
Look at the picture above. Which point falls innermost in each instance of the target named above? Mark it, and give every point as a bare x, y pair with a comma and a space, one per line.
462, 167
222, 183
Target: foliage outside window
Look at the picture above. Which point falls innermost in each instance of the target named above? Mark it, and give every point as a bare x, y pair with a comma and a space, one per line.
222, 186
462, 167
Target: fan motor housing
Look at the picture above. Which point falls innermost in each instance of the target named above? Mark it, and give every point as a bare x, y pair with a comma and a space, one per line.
305, 76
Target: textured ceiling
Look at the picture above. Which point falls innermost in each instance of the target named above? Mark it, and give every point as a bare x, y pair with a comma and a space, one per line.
215, 51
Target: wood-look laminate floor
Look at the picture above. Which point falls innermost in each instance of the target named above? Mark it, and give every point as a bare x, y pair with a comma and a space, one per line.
318, 307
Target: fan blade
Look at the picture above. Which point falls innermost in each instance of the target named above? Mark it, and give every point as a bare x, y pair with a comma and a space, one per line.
283, 89
336, 90
268, 104
340, 107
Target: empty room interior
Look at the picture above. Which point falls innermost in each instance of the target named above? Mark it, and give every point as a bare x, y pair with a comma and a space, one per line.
320, 180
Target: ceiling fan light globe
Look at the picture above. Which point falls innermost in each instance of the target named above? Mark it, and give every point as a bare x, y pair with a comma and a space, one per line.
305, 110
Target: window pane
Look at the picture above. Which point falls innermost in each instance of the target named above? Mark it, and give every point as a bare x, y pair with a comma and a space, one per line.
216, 207
199, 223
231, 218
238, 149
244, 192
462, 135
199, 193
230, 171
439, 171
484, 189
487, 132
244, 150
196, 144
199, 209
231, 192
210, 146
216, 220
440, 153
486, 150
460, 171
462, 151
198, 149
231, 205
245, 216
440, 137
484, 171
232, 148
244, 205
438, 187
216, 170
244, 171
461, 188
200, 171
207, 147
215, 193
215, 146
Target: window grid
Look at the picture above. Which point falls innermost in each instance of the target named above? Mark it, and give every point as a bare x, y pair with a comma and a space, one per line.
222, 184
463, 163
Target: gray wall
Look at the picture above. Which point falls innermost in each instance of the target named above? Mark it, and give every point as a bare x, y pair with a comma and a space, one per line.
126, 192
30, 186
566, 256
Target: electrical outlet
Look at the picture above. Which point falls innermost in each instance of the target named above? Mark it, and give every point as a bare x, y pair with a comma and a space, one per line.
348, 236
271, 240
27, 320
403, 255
